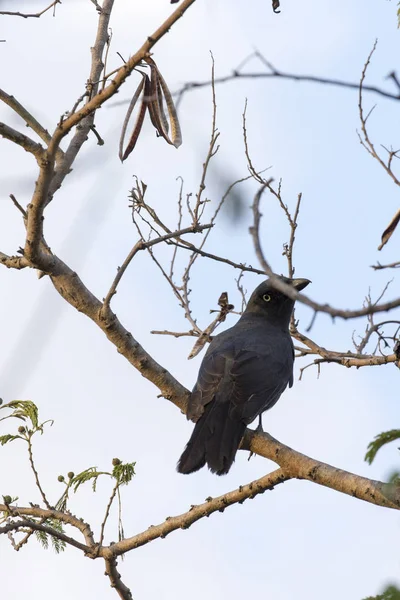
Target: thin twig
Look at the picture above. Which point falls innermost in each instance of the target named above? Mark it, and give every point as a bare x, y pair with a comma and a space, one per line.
142, 245
111, 500
30, 15
274, 73
46, 502
378, 266
17, 204
255, 231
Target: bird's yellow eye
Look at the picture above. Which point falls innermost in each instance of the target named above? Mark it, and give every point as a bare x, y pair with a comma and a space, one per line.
266, 297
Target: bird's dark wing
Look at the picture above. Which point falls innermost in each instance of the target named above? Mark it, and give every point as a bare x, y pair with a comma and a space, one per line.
258, 381
251, 381
213, 370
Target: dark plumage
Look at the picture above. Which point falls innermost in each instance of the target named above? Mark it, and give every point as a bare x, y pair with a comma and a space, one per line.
244, 372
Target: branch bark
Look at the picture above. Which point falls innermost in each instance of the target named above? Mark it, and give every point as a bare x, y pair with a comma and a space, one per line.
300, 466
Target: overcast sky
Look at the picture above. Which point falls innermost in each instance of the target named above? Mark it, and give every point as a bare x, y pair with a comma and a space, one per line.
301, 540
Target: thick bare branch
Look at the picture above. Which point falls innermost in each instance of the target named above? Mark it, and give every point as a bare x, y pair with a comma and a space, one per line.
211, 505
299, 466
72, 289
44, 513
86, 122
13, 262
22, 140
29, 119
47, 183
115, 579
21, 524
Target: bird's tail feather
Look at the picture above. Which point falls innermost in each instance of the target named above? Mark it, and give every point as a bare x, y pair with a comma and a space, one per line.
215, 440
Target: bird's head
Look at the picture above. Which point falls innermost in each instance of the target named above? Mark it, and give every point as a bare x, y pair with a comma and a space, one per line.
273, 304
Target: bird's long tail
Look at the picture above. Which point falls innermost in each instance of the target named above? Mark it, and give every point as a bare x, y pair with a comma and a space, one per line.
215, 440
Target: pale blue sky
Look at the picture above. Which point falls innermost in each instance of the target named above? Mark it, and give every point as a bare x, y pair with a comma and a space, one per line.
300, 541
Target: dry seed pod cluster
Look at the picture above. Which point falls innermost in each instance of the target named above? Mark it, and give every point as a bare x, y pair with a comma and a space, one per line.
153, 93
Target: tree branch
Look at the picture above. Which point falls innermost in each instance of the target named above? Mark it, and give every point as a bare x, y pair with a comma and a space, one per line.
29, 15
185, 520
300, 466
22, 140
142, 245
274, 73
13, 262
35, 526
115, 579
43, 513
30, 120
48, 182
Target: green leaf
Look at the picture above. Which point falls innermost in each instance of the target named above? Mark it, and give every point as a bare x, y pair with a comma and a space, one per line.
90, 474
124, 473
42, 538
4, 439
379, 441
58, 545
24, 409
390, 593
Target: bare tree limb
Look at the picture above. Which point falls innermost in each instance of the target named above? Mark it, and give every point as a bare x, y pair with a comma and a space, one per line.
47, 183
44, 513
22, 140
185, 520
299, 466
141, 245
255, 231
35, 526
31, 15
13, 262
86, 122
378, 266
273, 73
115, 579
29, 119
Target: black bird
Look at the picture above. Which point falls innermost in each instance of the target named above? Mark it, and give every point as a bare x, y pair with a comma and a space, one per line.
244, 372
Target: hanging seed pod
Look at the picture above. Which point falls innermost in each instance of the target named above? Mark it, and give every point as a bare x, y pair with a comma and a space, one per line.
123, 154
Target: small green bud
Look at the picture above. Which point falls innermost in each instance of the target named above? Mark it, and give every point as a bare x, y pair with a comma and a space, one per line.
1, 401
116, 462
61, 478
7, 499
21, 429
71, 474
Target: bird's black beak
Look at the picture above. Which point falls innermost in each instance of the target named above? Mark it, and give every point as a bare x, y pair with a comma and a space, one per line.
300, 284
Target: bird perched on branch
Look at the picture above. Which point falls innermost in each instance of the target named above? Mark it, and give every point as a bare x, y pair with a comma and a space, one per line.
244, 372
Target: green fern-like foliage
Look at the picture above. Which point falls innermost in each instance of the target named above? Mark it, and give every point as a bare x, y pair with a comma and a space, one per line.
379, 441
391, 593
90, 474
4, 439
43, 537
124, 472
24, 410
